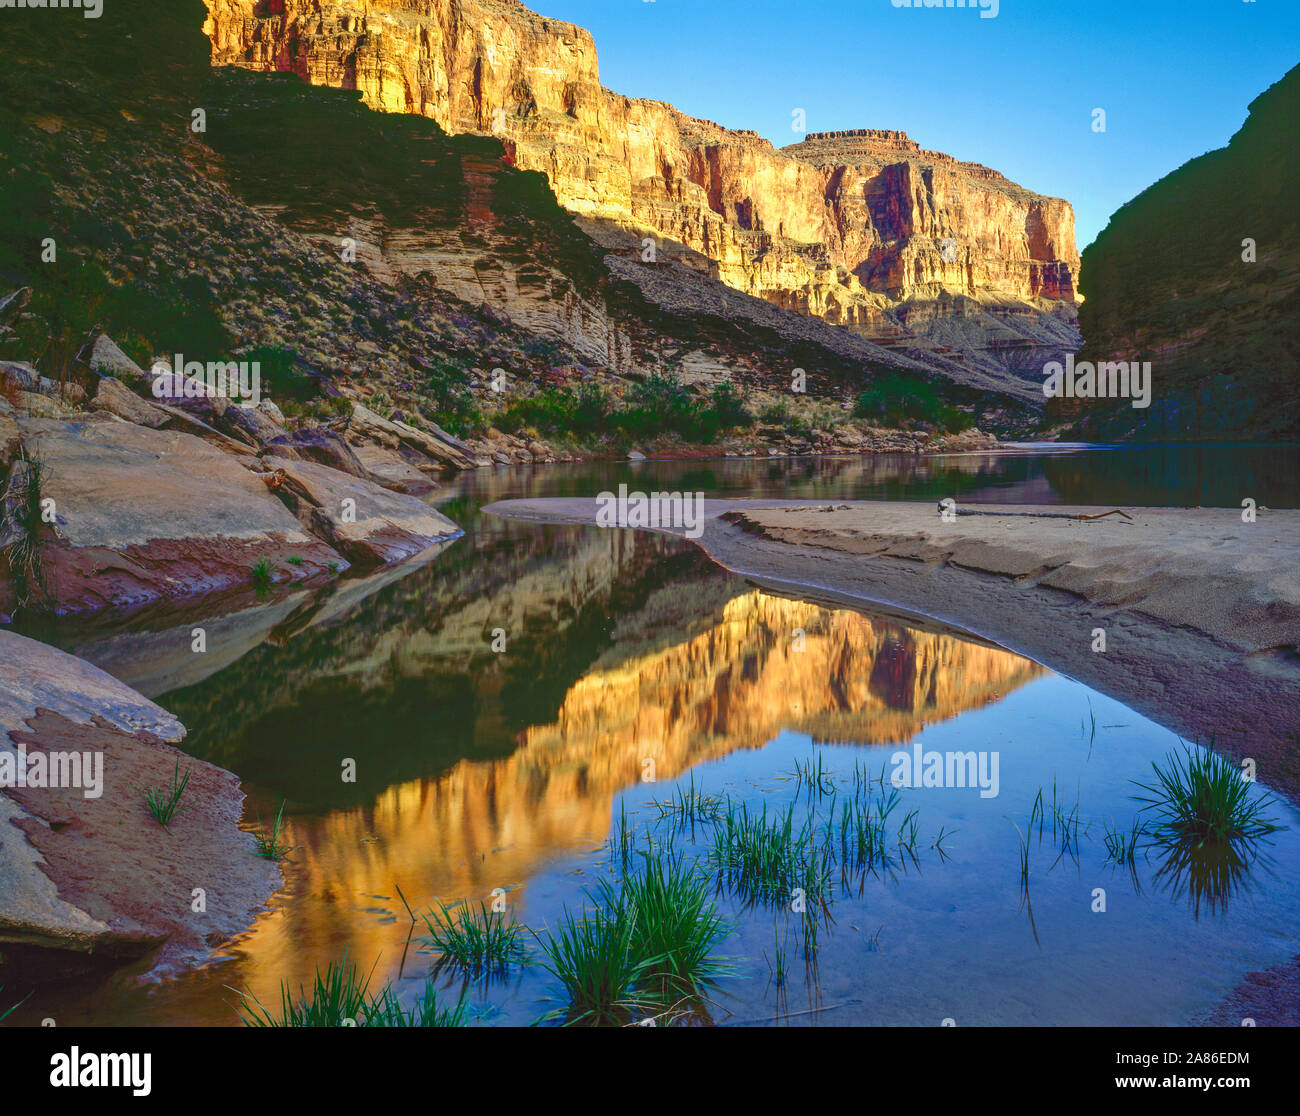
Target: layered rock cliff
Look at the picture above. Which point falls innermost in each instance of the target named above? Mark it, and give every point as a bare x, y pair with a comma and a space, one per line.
861, 229
1200, 275
464, 263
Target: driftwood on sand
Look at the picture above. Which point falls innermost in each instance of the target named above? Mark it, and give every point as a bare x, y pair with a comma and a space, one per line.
1038, 515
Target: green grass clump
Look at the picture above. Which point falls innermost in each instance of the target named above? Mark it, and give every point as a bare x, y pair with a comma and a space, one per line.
1201, 798
341, 997
164, 803
477, 941
647, 946
260, 574
1121, 847
816, 781
386, 1011
690, 807
271, 843
765, 858
591, 956
864, 841
675, 929
23, 495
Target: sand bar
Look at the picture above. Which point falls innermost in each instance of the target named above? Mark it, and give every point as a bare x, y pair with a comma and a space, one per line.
1201, 610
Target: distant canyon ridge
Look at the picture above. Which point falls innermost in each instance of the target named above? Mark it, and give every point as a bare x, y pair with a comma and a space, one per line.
911, 249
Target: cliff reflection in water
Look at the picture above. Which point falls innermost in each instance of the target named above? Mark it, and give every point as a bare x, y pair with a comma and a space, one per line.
702, 668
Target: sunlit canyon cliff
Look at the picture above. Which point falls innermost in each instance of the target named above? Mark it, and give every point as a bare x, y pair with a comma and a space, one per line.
864, 228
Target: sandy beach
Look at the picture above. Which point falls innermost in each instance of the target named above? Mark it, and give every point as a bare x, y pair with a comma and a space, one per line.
1200, 610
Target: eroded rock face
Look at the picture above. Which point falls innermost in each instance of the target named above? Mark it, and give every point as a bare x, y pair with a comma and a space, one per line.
387, 469
325, 447
132, 515
896, 202
87, 871
854, 227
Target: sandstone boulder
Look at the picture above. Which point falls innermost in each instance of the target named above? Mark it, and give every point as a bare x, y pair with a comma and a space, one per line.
101, 355
24, 377
251, 424
20, 375
112, 396
182, 420
366, 426
87, 871
271, 411
324, 446
187, 394
367, 523
387, 469
146, 515
40, 406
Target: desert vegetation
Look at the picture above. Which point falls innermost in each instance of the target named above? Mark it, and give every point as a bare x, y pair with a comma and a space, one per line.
661, 405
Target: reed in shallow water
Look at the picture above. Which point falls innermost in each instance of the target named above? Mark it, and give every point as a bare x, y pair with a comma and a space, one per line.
1202, 798
341, 997
648, 946
477, 942
591, 956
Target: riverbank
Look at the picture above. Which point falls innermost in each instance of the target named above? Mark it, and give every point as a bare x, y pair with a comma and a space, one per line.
113, 500
1200, 612
129, 504
839, 438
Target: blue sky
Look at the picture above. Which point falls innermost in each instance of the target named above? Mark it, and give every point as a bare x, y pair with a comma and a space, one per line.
1015, 92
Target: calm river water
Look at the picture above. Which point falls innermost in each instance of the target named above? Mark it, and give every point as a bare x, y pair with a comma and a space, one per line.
479, 770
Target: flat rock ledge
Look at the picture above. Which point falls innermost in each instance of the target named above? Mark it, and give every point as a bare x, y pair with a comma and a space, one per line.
143, 515
88, 876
